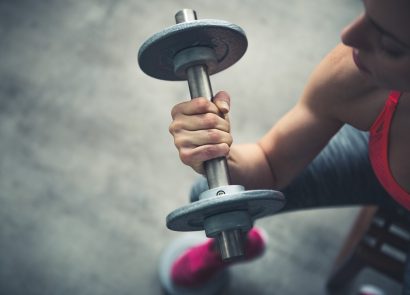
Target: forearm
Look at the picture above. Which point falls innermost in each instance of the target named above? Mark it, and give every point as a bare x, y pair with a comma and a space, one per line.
248, 166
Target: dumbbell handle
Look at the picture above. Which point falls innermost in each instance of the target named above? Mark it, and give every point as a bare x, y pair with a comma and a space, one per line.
216, 170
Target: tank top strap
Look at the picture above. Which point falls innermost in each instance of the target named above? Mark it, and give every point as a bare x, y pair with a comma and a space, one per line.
387, 112
394, 96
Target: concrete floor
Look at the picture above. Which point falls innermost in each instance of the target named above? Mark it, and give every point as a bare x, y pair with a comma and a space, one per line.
88, 170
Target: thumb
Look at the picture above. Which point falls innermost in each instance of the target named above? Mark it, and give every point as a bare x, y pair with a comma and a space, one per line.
222, 101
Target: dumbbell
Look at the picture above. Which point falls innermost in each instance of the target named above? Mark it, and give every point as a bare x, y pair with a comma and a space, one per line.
192, 50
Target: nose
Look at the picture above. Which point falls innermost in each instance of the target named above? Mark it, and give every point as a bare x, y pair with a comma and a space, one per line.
357, 34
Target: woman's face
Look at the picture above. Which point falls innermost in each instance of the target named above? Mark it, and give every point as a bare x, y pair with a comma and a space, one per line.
380, 38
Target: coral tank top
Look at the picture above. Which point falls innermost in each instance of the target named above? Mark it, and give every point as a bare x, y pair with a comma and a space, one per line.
378, 151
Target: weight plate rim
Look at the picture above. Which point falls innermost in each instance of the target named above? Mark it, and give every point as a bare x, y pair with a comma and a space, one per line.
188, 26
153, 42
241, 199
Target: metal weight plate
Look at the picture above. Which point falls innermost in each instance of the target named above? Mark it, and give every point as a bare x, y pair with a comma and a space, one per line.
155, 56
258, 203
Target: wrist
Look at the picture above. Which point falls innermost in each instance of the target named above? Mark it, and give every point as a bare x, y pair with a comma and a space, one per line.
248, 166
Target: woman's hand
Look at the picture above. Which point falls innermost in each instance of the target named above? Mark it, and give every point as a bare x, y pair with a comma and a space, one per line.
201, 130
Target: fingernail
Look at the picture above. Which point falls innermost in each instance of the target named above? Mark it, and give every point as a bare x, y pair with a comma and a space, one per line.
224, 106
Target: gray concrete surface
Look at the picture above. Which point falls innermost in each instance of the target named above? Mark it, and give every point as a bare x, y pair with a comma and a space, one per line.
88, 170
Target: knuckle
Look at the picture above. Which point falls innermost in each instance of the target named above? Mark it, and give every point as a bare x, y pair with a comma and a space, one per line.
211, 151
213, 135
226, 148
175, 127
171, 128
202, 104
178, 142
186, 156
226, 126
179, 109
229, 140
181, 141
210, 120
175, 111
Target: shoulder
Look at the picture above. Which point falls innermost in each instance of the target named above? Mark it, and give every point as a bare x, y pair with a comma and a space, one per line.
337, 74
337, 88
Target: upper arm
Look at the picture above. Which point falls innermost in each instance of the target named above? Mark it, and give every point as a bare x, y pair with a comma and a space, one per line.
295, 140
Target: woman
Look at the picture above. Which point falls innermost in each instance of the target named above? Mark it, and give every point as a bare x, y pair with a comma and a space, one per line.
363, 85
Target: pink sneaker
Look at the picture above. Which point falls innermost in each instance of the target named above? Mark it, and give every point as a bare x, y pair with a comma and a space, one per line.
370, 290
199, 264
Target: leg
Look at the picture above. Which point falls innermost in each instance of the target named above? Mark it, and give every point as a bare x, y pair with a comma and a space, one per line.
341, 175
